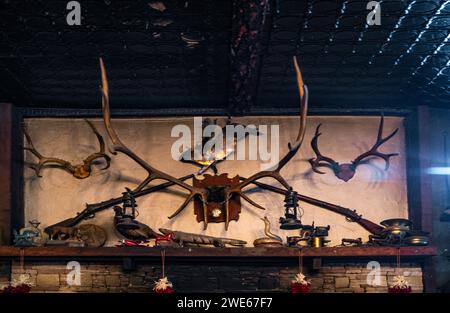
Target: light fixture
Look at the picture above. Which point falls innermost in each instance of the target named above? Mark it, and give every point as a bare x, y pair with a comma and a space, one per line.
290, 219
128, 214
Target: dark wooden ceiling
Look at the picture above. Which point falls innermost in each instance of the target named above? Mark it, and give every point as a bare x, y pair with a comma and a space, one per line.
403, 62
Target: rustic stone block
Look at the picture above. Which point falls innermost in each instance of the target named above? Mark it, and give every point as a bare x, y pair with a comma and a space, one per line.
112, 280
345, 290
86, 280
353, 271
229, 283
333, 270
47, 280
376, 289
341, 282
136, 280
268, 283
317, 281
98, 281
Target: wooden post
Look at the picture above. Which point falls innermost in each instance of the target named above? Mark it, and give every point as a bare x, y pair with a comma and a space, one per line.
11, 171
5, 172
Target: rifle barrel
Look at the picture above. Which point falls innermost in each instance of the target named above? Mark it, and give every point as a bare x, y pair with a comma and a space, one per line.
368, 225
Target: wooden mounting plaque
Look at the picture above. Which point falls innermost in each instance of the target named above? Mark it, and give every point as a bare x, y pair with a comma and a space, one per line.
216, 209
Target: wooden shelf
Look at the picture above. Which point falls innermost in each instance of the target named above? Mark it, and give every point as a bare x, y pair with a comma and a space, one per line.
207, 252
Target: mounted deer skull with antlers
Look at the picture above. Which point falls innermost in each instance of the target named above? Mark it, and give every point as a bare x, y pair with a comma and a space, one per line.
79, 171
346, 171
201, 193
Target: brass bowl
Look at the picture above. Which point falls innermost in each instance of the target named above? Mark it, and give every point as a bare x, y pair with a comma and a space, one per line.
396, 230
397, 222
416, 240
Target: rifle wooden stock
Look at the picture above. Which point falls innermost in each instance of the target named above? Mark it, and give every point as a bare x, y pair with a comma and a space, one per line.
371, 227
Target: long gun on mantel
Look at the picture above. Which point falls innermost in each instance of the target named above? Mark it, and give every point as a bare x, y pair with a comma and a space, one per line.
350, 215
92, 209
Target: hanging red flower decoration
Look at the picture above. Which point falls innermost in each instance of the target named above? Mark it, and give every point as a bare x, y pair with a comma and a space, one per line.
163, 285
300, 284
21, 288
20, 285
400, 285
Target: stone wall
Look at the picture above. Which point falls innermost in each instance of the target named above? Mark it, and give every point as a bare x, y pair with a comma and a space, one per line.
212, 277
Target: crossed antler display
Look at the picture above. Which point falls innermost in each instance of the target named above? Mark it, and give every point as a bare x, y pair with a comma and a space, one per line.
202, 193
346, 171
79, 171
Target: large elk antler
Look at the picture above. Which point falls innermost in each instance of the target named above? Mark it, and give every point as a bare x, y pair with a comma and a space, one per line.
79, 171
347, 170
293, 148
153, 173
321, 160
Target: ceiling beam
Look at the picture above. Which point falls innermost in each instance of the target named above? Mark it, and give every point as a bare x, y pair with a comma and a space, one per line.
251, 25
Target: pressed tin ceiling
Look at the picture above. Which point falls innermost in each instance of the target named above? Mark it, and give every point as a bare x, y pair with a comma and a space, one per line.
346, 63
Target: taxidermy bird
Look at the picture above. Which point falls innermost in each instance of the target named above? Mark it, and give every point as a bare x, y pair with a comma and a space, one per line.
211, 157
140, 232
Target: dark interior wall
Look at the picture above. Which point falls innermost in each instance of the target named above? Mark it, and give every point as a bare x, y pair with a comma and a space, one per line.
439, 124
5, 171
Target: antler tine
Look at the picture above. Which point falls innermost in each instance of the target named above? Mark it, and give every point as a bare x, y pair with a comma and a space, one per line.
317, 162
374, 150
101, 154
37, 167
153, 173
293, 148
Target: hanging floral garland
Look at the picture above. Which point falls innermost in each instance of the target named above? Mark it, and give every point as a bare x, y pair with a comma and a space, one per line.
22, 284
300, 284
163, 285
399, 284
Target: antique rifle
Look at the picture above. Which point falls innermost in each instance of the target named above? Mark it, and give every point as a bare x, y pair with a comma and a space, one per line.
350, 215
92, 209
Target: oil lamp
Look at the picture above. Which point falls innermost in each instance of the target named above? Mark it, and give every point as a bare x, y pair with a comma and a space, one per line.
290, 219
127, 220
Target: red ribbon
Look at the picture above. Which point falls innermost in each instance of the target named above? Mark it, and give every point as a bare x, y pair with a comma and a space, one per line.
167, 237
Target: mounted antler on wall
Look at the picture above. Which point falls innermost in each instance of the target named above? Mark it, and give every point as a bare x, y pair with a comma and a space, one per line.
79, 171
346, 171
204, 195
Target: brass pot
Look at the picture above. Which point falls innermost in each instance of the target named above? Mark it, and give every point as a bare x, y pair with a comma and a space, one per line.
317, 242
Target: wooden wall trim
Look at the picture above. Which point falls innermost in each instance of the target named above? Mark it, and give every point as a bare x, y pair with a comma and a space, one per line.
11, 171
5, 171
96, 113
